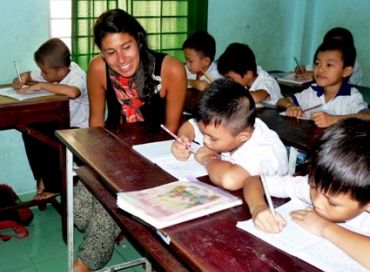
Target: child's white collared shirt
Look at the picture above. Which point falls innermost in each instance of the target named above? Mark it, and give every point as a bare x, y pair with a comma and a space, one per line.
266, 82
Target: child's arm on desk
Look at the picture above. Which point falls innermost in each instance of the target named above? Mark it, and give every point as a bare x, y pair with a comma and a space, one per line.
292, 109
25, 78
324, 120
261, 214
222, 173
354, 244
198, 84
69, 91
259, 95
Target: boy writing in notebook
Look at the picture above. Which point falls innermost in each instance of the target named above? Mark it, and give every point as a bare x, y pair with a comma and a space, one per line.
199, 51
238, 62
336, 98
57, 75
236, 144
337, 186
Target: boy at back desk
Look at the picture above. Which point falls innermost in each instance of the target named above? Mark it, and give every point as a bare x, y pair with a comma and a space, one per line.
337, 186
57, 75
334, 97
199, 50
238, 62
236, 144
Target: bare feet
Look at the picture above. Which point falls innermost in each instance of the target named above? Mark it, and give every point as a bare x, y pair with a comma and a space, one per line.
40, 186
79, 266
44, 196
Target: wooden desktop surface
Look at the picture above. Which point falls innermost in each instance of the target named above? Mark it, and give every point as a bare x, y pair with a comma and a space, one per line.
210, 243
20, 115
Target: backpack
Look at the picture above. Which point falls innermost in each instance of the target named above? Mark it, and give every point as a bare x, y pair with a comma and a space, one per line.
12, 217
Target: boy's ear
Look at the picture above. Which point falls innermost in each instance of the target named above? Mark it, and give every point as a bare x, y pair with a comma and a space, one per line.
367, 207
347, 72
245, 135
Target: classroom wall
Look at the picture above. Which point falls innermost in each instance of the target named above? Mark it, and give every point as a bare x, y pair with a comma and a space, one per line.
276, 31
23, 27
279, 30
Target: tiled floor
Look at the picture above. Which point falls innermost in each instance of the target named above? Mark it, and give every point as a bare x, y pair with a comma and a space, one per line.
44, 249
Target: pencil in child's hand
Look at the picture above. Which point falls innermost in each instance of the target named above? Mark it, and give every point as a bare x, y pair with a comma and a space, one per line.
312, 108
298, 64
268, 197
17, 71
177, 138
207, 76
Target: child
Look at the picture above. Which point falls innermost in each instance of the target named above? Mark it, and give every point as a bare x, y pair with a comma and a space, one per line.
57, 75
236, 144
199, 50
333, 65
239, 63
337, 33
337, 185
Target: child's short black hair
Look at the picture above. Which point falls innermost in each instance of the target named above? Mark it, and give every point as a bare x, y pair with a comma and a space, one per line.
347, 49
54, 53
340, 161
238, 58
339, 33
228, 103
202, 42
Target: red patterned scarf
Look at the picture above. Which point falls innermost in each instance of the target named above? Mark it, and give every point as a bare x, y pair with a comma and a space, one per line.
128, 96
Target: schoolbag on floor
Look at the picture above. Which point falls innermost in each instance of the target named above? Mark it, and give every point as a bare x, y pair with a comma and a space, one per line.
12, 217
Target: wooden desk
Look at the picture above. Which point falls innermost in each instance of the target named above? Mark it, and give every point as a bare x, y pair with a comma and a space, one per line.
22, 114
210, 243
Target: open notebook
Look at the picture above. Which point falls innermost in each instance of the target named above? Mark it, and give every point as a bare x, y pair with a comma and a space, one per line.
160, 154
10, 92
298, 242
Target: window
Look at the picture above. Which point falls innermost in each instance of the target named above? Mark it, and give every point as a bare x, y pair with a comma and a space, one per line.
167, 22
60, 20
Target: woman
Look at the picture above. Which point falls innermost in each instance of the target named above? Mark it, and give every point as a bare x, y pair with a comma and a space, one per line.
137, 85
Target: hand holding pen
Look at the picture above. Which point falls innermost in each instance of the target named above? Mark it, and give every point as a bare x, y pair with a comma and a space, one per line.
181, 148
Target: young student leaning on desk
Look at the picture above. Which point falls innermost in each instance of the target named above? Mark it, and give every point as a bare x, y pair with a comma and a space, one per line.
236, 144
337, 186
57, 75
199, 50
336, 33
333, 64
239, 63
138, 85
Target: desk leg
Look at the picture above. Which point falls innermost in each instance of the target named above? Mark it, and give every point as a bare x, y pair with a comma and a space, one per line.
70, 174
293, 153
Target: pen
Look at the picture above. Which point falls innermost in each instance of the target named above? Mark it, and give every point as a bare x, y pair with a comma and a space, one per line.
298, 64
17, 71
177, 138
312, 108
207, 76
268, 197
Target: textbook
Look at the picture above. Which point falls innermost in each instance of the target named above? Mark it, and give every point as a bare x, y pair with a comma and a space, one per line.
160, 154
300, 243
293, 78
176, 202
10, 92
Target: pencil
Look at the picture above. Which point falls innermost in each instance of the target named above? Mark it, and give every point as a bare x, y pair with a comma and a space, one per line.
298, 64
17, 71
312, 108
207, 76
268, 197
177, 138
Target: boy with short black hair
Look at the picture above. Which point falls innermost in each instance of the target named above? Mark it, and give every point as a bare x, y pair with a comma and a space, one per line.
58, 75
238, 62
199, 50
337, 185
333, 65
236, 144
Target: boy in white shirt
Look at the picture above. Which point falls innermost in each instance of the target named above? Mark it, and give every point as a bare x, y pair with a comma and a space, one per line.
337, 99
236, 144
57, 75
238, 62
199, 50
337, 186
